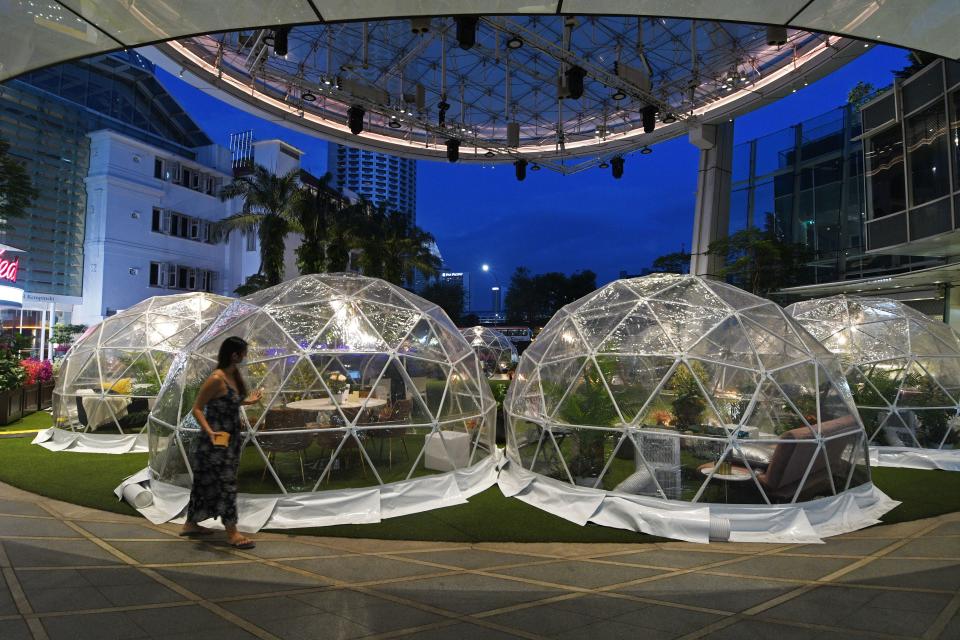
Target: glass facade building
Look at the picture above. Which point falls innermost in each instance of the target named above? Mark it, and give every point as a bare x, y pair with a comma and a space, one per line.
46, 115
912, 155
378, 177
808, 181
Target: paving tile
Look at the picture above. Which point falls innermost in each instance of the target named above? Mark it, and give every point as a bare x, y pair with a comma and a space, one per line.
261, 610
121, 530
935, 547
468, 593
362, 568
39, 527
56, 553
947, 529
472, 558
545, 620
915, 574
317, 625
845, 546
226, 580
16, 507
669, 559
786, 567
187, 619
597, 606
95, 626
671, 620
288, 549
588, 575
233, 633
610, 630
374, 613
15, 630
172, 551
952, 630
461, 631
713, 592
72, 590
763, 630
7, 605
881, 611
899, 530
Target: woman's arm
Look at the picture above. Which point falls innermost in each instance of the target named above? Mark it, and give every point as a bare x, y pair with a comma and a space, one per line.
254, 397
214, 386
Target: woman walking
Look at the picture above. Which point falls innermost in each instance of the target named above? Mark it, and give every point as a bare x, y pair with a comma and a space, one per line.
217, 455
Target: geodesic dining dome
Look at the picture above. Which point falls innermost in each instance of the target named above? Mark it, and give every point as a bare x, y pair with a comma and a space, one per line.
111, 375
373, 405
903, 368
496, 351
689, 408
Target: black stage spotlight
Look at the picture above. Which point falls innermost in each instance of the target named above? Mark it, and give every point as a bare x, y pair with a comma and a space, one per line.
616, 163
520, 166
453, 149
646, 151
442, 112
514, 43
466, 31
668, 118
603, 164
394, 123
575, 76
618, 95
308, 96
280, 40
649, 117
355, 119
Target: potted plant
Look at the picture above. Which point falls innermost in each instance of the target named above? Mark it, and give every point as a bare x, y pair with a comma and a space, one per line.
31, 385
45, 377
11, 395
499, 389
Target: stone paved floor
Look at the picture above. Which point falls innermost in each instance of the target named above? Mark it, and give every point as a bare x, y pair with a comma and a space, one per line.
74, 573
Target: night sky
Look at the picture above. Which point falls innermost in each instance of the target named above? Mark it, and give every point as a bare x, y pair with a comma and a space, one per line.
481, 214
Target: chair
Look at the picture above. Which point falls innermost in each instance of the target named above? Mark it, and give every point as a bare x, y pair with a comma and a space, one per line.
790, 460
284, 419
398, 412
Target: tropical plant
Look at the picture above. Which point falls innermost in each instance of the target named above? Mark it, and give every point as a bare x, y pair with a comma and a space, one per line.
533, 299
311, 214
393, 248
688, 402
64, 333
16, 189
268, 201
759, 260
12, 374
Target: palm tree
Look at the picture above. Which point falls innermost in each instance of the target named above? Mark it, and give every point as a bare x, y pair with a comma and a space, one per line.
312, 214
268, 201
405, 249
344, 231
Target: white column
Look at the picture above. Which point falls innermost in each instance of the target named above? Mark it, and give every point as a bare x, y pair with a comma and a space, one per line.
712, 215
53, 319
43, 330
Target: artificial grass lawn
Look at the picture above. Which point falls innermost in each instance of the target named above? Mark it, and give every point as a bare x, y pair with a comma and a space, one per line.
34, 421
89, 480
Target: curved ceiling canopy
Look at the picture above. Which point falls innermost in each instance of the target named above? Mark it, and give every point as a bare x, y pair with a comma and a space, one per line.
500, 97
562, 92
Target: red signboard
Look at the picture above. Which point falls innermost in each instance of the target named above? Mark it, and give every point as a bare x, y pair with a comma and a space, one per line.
8, 267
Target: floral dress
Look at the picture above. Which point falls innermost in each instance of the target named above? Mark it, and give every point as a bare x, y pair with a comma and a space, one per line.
214, 492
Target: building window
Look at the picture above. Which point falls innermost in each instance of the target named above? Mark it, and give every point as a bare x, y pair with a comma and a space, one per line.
927, 154
156, 220
885, 180
158, 168
177, 276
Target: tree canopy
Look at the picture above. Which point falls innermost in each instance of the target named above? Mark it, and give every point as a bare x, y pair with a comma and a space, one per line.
533, 299
16, 189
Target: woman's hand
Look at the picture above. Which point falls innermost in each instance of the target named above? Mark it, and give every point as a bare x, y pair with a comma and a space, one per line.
255, 396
